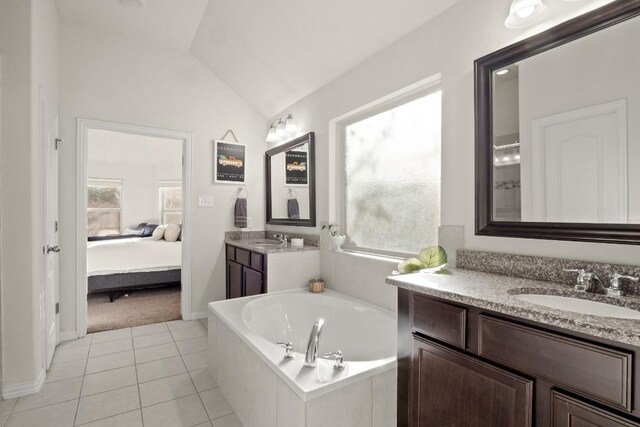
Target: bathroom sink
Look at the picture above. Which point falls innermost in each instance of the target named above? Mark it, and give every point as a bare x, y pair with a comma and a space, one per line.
265, 242
580, 306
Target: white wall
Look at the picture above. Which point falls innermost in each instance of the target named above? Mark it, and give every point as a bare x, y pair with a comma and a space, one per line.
127, 80
448, 45
141, 162
29, 43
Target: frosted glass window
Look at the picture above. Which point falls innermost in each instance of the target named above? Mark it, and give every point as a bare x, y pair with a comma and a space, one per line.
392, 193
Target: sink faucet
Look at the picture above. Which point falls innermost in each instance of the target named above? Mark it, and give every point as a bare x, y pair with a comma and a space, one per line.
588, 282
283, 239
311, 357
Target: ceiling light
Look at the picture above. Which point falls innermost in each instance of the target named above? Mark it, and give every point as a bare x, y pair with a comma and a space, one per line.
132, 4
502, 72
525, 12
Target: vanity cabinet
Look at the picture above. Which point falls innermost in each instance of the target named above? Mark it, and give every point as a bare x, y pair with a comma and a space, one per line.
246, 272
459, 365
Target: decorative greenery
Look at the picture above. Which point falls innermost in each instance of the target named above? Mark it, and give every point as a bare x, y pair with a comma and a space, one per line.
332, 228
430, 257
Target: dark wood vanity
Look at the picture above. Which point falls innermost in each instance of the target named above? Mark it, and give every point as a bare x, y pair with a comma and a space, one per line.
246, 272
459, 365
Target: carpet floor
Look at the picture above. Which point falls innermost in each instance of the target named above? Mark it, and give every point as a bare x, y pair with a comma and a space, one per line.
142, 307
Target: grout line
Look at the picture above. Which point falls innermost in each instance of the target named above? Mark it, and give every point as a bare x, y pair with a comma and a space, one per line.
84, 373
192, 382
13, 412
135, 366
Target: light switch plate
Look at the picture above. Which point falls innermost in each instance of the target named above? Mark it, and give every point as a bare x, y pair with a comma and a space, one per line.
205, 201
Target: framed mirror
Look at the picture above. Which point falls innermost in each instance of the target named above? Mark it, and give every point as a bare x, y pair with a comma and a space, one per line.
558, 132
291, 186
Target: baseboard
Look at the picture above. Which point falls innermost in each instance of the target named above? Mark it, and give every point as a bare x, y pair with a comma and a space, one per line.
11, 391
68, 335
199, 315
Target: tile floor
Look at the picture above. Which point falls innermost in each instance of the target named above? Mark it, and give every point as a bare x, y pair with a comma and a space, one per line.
154, 376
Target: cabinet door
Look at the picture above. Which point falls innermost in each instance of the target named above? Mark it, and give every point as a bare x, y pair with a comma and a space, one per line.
569, 412
234, 280
252, 282
450, 388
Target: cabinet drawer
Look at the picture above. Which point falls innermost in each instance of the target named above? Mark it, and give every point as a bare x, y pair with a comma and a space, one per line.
439, 320
243, 257
257, 261
569, 412
231, 252
601, 373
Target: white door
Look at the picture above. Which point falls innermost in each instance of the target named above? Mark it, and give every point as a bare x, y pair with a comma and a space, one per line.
579, 168
49, 121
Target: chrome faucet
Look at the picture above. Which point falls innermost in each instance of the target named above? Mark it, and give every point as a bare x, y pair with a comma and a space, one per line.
615, 289
311, 357
283, 239
588, 282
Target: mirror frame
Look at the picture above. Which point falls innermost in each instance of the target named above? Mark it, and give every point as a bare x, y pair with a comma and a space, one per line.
589, 23
311, 222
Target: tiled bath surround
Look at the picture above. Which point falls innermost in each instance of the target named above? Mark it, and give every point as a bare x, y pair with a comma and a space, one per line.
261, 399
542, 268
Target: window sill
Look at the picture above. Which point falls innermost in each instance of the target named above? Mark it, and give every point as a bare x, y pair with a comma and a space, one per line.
394, 260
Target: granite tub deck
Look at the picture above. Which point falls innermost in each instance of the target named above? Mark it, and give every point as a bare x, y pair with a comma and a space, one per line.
497, 293
243, 239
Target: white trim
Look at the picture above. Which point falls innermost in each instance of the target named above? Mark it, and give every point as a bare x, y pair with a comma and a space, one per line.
69, 335
11, 391
196, 315
336, 145
83, 127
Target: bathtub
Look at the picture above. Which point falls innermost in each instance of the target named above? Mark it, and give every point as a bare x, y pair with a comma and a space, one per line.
267, 390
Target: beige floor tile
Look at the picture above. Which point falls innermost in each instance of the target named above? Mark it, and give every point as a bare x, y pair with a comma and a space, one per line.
193, 345
56, 392
58, 415
164, 389
109, 361
155, 328
6, 406
108, 404
189, 333
152, 340
66, 370
109, 380
184, 412
117, 334
62, 355
195, 361
215, 403
203, 379
129, 419
182, 324
81, 342
110, 347
160, 369
230, 420
149, 354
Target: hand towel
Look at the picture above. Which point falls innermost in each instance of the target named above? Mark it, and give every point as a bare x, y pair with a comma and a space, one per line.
293, 209
240, 213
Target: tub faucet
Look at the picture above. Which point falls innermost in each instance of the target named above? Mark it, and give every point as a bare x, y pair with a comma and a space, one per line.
311, 358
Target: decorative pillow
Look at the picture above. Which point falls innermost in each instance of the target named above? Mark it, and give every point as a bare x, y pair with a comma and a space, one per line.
171, 232
140, 226
130, 232
158, 233
148, 230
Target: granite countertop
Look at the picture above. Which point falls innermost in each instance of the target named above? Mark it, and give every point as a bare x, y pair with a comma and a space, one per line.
246, 244
497, 293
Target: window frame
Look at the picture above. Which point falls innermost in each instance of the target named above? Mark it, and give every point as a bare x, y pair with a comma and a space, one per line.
411, 93
106, 182
169, 184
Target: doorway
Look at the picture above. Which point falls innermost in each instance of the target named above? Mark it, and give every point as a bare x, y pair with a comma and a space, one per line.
133, 226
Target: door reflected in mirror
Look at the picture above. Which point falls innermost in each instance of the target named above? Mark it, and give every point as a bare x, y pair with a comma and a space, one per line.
290, 183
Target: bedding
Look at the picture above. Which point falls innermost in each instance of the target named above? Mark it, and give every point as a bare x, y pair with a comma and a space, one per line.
132, 255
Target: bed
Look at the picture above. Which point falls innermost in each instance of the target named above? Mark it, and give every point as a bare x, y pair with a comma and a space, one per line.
127, 263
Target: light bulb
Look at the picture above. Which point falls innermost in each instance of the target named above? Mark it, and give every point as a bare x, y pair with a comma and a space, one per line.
271, 136
280, 131
525, 12
290, 126
502, 72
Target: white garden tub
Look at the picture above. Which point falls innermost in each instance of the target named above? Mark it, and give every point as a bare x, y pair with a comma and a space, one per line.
250, 367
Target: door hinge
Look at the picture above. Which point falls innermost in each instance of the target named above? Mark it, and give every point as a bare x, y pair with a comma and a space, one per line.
57, 308
57, 143
55, 226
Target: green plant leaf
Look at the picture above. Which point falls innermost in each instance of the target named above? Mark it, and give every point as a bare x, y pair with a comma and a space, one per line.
410, 265
432, 256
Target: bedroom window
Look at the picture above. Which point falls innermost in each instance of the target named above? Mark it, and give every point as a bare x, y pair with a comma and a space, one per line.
104, 207
171, 202
391, 199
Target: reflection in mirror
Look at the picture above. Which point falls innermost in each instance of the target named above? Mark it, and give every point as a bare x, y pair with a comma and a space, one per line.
566, 122
290, 183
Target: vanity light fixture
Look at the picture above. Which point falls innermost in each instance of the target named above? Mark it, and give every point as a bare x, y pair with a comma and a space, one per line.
284, 127
525, 12
502, 72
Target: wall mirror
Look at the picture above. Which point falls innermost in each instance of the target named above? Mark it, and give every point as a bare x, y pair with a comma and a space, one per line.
291, 188
558, 130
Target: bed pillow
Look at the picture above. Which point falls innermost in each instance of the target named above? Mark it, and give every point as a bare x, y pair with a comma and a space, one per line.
158, 233
130, 232
171, 232
148, 230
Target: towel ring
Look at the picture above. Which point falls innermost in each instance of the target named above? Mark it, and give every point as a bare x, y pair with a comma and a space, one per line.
292, 193
239, 192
